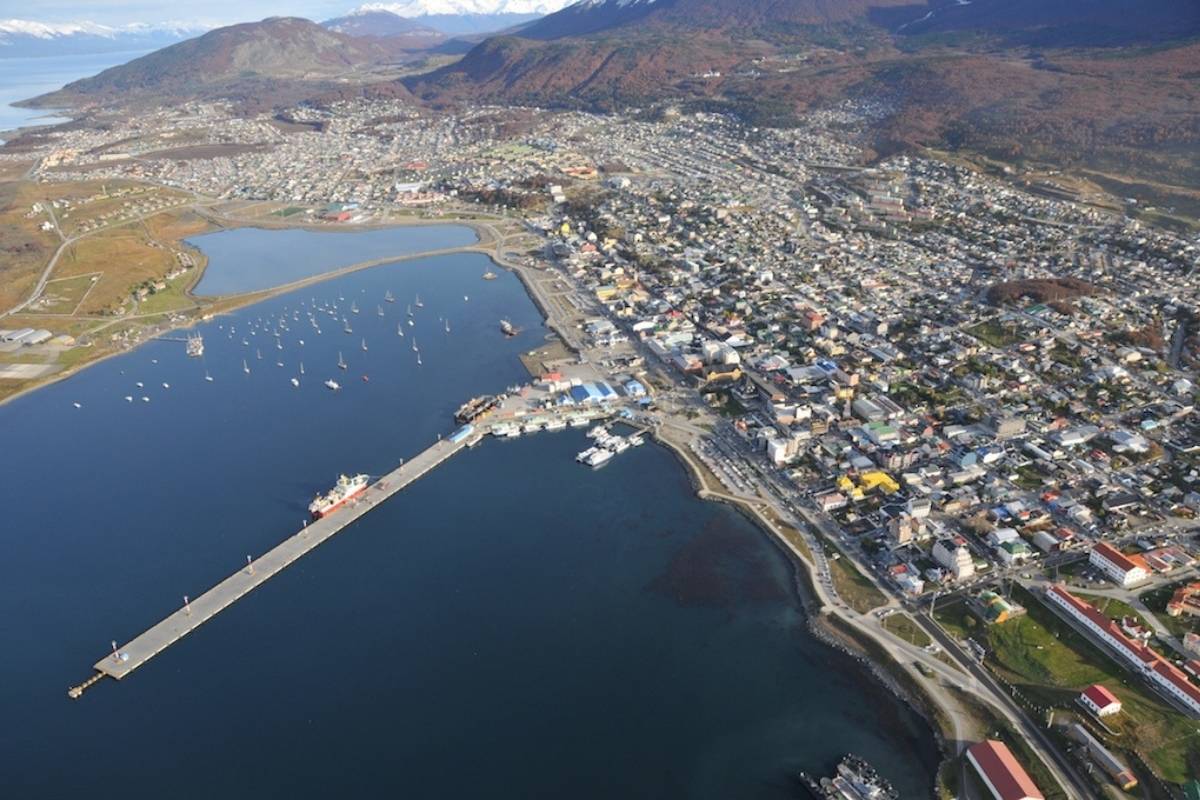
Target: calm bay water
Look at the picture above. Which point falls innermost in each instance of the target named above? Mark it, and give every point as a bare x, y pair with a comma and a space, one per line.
250, 259
23, 78
512, 625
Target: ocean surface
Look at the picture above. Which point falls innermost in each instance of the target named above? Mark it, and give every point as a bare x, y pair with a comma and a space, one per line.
250, 259
23, 78
513, 625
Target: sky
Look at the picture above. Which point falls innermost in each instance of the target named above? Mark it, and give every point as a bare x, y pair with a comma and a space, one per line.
122, 12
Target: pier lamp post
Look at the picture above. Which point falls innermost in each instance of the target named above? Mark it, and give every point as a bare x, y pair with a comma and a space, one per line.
250, 564
116, 655
187, 606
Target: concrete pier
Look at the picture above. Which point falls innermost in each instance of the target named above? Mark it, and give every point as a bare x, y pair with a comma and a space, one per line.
200, 609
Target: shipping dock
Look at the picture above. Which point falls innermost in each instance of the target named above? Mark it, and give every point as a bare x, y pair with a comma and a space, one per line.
126, 658
521, 409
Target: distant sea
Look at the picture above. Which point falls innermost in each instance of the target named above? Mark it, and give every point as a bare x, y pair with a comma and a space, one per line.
23, 78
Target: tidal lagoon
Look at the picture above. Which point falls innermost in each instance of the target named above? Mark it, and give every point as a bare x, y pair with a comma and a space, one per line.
513, 624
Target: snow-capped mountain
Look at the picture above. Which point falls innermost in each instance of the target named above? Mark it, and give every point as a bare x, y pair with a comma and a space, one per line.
457, 17
25, 38
426, 8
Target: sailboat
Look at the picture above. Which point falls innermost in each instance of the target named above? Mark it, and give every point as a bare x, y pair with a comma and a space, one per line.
389, 297
400, 329
346, 324
341, 361
296, 382
411, 324
258, 353
465, 298
418, 302
414, 345
410, 310
245, 367
353, 307
380, 311
447, 326
207, 377
364, 345
301, 367
418, 359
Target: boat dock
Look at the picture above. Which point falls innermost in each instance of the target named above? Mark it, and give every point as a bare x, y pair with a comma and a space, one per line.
128, 657
520, 408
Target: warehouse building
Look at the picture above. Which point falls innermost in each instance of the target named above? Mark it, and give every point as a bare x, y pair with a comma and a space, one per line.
1001, 774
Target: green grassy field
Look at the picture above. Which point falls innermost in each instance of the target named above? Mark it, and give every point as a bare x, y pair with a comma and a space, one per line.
854, 587
906, 628
1052, 663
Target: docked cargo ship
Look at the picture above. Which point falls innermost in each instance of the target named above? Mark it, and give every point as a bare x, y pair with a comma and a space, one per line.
475, 408
346, 489
855, 779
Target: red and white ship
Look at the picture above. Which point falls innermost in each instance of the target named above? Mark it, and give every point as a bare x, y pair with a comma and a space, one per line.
346, 489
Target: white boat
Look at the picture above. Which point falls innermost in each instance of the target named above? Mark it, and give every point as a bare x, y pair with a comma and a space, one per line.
577, 421
618, 444
411, 323
78, 405
380, 311
364, 344
584, 455
166, 385
555, 425
296, 382
341, 361
245, 367
258, 353
637, 440
207, 377
332, 384
597, 432
418, 302
301, 367
128, 398
353, 307
599, 457
139, 384
389, 296
145, 399
279, 363
447, 326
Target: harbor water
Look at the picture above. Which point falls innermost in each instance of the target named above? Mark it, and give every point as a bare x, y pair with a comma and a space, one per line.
251, 259
513, 625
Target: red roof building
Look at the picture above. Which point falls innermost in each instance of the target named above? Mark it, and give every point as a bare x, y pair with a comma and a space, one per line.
1166, 676
1004, 777
1100, 701
1119, 567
